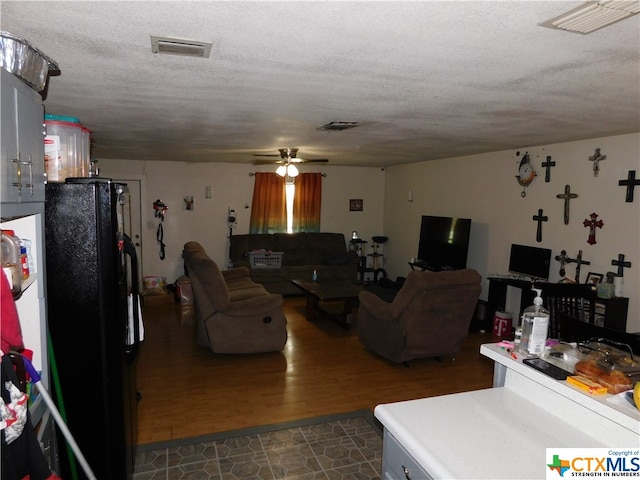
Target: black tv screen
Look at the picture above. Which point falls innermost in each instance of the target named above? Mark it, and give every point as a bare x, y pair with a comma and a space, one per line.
531, 262
444, 242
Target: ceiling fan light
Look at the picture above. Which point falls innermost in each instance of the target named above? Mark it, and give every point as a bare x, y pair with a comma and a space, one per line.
282, 170
292, 171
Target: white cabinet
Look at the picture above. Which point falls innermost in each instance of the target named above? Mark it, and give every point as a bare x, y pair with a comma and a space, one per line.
22, 170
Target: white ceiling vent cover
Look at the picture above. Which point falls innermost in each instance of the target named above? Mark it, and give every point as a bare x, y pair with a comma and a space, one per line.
592, 16
180, 46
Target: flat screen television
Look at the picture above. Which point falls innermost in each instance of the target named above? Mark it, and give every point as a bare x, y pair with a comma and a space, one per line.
531, 262
444, 243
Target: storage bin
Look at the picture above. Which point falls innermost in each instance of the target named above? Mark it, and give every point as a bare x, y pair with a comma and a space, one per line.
62, 147
265, 259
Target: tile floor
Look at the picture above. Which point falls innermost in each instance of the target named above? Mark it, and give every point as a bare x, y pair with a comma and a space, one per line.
336, 450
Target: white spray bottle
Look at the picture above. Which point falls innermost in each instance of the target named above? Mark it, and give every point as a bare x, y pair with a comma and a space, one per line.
535, 324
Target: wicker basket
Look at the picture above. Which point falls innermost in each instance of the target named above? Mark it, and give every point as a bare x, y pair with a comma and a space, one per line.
265, 259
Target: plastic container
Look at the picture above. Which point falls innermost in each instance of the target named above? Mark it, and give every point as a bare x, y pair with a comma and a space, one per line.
63, 148
535, 324
612, 367
10, 254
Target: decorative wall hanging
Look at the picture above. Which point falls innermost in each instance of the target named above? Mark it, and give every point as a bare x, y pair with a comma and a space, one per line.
592, 224
630, 183
160, 208
563, 259
547, 166
596, 158
579, 262
566, 196
539, 218
188, 202
526, 173
621, 264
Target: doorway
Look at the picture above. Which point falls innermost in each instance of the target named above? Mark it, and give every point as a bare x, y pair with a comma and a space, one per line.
133, 217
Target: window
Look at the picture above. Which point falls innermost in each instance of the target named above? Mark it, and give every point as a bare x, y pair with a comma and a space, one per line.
286, 204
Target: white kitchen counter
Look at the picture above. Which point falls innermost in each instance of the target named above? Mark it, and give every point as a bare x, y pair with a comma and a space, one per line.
503, 432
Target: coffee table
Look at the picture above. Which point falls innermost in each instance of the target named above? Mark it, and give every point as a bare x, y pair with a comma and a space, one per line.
330, 291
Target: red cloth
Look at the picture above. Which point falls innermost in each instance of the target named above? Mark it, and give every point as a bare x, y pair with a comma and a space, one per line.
10, 333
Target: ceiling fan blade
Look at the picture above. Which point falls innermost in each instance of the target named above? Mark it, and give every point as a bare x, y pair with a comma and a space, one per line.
265, 155
314, 160
267, 162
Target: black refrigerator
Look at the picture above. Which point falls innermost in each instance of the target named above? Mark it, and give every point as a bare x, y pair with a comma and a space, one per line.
92, 313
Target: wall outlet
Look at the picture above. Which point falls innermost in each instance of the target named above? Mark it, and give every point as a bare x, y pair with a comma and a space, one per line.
207, 191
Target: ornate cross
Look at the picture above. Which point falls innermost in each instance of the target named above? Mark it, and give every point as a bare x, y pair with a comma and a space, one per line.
547, 165
563, 259
539, 218
579, 262
596, 158
566, 196
592, 224
631, 183
621, 264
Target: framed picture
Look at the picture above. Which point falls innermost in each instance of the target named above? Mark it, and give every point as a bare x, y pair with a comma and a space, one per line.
594, 278
355, 205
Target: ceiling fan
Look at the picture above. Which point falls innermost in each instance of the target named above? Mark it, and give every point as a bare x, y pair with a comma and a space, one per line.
287, 156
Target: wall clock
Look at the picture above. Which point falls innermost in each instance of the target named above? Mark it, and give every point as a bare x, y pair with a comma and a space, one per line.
526, 173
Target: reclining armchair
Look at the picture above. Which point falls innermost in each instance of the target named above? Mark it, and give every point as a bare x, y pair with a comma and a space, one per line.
233, 313
429, 316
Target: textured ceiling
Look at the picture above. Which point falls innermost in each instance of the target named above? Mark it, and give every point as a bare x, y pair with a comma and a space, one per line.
425, 79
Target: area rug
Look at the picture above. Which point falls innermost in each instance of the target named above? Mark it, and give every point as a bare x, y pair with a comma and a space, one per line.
347, 445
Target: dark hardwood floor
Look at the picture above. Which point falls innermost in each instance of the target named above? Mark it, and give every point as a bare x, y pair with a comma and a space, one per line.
187, 390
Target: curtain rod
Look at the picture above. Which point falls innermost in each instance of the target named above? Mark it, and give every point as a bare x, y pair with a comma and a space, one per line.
252, 174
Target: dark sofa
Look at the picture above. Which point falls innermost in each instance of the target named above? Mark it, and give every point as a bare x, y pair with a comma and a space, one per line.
327, 253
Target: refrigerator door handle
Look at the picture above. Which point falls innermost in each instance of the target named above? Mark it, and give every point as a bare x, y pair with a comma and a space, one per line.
130, 250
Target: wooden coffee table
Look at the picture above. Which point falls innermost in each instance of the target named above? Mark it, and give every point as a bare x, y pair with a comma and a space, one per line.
331, 291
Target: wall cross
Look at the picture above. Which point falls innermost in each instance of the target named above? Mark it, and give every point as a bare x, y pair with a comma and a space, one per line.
563, 259
539, 218
621, 264
566, 196
596, 158
547, 165
579, 262
631, 183
592, 224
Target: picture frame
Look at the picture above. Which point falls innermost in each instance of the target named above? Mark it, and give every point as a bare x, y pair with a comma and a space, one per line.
594, 278
355, 205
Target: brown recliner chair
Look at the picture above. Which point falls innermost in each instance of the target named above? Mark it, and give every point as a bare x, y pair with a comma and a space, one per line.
429, 316
233, 313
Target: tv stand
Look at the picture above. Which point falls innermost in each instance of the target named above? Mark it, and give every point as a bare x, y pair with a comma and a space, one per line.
497, 295
614, 315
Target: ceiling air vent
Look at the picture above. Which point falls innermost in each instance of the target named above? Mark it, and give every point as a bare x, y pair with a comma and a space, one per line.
338, 126
180, 46
592, 16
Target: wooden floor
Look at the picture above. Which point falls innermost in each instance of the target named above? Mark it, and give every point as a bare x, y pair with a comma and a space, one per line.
187, 390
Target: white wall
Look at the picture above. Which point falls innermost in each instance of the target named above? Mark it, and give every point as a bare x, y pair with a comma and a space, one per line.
232, 187
484, 188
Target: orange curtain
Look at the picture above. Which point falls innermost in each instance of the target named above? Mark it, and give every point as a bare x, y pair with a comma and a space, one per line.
307, 202
268, 208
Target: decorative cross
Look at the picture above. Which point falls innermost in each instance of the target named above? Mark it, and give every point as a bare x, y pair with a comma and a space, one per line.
596, 158
563, 259
579, 262
566, 196
592, 224
631, 183
539, 218
547, 165
621, 264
